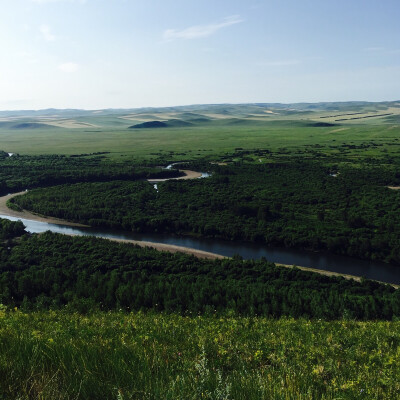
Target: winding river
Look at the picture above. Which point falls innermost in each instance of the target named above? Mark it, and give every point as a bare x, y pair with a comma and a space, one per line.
318, 260
208, 247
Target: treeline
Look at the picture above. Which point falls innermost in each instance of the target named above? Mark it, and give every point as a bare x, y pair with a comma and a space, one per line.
26, 172
53, 271
292, 204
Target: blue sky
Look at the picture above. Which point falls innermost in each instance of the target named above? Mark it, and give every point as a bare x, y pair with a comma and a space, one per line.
134, 53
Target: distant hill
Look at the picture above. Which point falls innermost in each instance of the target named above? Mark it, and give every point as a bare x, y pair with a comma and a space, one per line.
223, 109
200, 120
189, 116
177, 123
239, 116
32, 125
322, 124
172, 123
149, 124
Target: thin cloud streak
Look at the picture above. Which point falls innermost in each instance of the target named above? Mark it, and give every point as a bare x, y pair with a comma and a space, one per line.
45, 30
374, 49
27, 56
279, 63
68, 67
381, 50
201, 31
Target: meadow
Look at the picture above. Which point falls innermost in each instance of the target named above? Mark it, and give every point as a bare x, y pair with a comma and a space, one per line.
61, 355
205, 131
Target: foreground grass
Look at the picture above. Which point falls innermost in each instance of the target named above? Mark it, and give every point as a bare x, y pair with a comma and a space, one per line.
59, 355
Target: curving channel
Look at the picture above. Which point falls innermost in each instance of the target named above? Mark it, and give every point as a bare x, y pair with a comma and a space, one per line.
318, 260
212, 248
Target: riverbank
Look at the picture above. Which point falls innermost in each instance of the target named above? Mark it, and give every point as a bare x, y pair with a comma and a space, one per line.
24, 214
186, 248
188, 175
5, 210
29, 215
331, 273
170, 248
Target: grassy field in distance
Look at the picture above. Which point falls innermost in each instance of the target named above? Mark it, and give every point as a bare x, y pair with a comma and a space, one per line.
209, 131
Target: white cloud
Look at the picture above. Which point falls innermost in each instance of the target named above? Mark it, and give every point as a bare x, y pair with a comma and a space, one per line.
45, 30
199, 31
68, 67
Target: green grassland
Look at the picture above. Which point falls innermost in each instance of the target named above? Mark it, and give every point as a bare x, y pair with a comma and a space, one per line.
209, 131
60, 355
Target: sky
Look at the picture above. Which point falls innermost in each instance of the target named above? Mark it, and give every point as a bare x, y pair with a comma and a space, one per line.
96, 54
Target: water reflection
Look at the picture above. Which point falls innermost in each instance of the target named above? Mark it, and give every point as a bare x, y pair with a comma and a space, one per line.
326, 261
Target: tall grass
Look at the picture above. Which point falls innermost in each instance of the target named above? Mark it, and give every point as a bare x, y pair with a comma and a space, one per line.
60, 355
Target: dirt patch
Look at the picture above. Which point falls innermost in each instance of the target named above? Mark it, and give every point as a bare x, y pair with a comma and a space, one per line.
70, 124
217, 116
148, 117
394, 187
188, 175
339, 130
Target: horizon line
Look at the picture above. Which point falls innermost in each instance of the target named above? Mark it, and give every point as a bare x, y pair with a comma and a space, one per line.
197, 104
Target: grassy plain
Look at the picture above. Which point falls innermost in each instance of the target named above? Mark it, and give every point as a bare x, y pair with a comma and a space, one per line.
60, 355
211, 132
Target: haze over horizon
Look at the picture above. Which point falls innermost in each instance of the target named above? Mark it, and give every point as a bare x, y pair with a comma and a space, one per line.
96, 54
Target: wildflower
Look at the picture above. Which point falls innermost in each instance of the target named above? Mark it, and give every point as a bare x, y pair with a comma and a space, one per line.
258, 354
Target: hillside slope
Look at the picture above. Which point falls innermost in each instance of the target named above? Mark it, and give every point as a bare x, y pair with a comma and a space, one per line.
60, 355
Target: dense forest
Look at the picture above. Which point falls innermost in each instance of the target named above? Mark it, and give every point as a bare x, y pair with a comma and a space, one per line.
53, 271
10, 229
344, 209
24, 172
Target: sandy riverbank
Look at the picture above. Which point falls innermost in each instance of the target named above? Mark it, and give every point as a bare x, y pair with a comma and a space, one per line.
330, 273
188, 175
170, 248
4, 210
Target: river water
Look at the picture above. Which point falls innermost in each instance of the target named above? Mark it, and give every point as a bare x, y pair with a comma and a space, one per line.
320, 260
